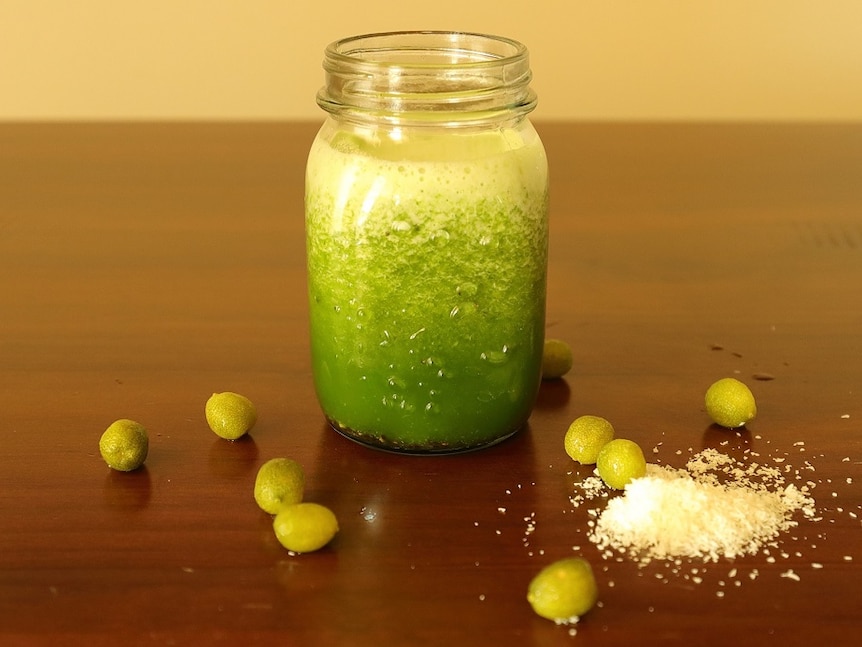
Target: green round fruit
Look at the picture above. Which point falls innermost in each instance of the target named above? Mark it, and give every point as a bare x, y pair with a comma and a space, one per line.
730, 403
279, 482
230, 415
619, 462
124, 445
585, 438
564, 590
556, 359
305, 527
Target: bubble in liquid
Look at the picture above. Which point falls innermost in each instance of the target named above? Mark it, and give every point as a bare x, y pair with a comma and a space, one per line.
466, 289
432, 408
461, 310
441, 235
396, 383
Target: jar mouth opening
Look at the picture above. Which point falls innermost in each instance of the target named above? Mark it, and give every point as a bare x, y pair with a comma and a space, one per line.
420, 75
424, 49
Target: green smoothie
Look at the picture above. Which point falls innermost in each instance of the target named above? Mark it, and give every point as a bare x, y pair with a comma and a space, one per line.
426, 270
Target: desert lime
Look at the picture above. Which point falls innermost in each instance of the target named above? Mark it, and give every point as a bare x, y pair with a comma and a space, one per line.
279, 482
730, 403
564, 590
586, 436
230, 415
556, 359
619, 462
124, 445
305, 527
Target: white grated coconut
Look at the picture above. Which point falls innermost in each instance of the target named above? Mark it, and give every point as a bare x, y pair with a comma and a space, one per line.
715, 508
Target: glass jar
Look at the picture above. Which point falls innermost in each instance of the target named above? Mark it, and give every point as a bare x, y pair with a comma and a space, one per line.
427, 230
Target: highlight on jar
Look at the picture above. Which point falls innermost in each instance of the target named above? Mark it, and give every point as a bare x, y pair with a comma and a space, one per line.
426, 212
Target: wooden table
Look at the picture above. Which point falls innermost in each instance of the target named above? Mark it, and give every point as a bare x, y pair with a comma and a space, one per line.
144, 266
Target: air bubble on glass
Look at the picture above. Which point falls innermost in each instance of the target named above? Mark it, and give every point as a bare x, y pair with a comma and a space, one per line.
496, 356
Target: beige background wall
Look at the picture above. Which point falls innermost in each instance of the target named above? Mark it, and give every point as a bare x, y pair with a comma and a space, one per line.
592, 59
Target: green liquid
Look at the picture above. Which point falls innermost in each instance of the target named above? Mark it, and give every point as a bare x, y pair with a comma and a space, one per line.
427, 264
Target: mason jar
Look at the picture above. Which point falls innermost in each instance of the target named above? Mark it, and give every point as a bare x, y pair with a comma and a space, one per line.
426, 211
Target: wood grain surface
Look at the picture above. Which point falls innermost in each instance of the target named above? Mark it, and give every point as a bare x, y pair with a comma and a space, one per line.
145, 266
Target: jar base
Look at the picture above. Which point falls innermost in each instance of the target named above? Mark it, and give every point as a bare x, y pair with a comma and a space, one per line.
377, 442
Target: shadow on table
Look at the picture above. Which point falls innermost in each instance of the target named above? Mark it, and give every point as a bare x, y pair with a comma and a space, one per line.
553, 394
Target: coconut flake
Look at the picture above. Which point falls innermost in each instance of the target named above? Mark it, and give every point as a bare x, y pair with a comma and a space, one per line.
715, 508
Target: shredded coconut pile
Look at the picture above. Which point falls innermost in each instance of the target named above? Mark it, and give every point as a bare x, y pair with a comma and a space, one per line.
715, 508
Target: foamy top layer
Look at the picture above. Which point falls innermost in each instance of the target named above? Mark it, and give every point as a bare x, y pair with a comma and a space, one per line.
433, 166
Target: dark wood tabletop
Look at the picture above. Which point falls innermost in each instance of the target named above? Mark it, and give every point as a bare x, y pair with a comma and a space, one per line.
145, 266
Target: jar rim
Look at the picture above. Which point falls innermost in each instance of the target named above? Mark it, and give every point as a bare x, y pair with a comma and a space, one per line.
349, 49
425, 76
